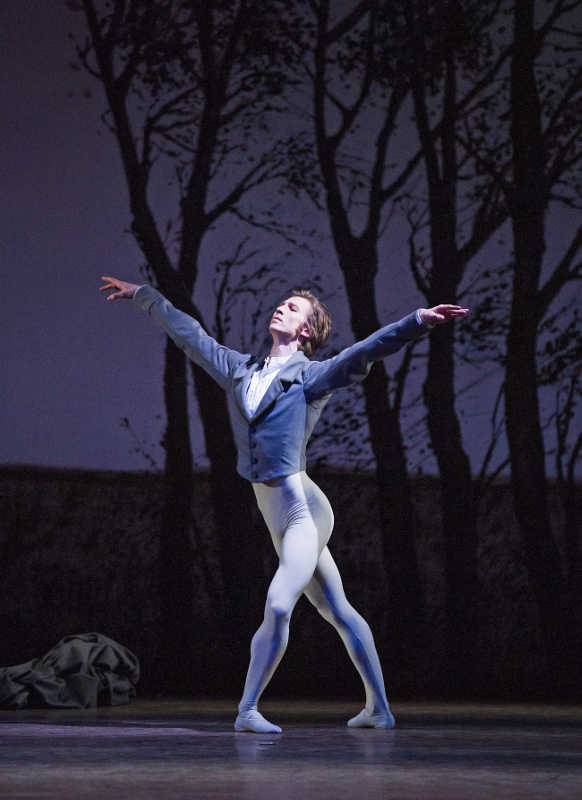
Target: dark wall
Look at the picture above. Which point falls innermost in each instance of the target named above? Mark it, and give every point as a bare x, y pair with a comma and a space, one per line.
78, 553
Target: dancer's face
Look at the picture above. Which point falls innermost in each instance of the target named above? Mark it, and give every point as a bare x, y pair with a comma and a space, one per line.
289, 321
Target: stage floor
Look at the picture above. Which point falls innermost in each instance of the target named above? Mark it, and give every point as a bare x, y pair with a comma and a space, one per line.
187, 749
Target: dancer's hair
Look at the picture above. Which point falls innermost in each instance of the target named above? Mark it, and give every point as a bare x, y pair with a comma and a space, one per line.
318, 322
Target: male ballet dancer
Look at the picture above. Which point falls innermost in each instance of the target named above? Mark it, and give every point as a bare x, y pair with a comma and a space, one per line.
275, 407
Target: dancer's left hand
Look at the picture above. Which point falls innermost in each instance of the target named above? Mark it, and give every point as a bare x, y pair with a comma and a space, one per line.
441, 313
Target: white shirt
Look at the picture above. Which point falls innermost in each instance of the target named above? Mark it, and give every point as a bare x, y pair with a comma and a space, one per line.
261, 379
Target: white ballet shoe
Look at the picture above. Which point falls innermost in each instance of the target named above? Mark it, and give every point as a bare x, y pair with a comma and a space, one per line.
366, 719
254, 722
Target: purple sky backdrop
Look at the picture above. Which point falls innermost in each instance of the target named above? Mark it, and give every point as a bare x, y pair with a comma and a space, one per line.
72, 364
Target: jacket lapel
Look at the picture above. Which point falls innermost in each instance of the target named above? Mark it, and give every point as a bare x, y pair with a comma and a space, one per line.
287, 375
240, 382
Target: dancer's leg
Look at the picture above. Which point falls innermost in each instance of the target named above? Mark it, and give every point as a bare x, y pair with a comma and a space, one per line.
299, 507
286, 512
326, 592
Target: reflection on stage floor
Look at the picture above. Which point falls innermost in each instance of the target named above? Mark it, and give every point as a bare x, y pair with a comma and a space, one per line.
170, 749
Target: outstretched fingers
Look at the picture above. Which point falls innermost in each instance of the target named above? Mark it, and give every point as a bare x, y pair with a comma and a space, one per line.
449, 310
446, 311
124, 289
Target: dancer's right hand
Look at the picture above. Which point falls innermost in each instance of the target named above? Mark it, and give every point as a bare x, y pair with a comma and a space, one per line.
125, 290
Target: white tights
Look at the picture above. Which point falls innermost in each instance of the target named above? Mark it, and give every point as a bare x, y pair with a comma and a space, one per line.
300, 521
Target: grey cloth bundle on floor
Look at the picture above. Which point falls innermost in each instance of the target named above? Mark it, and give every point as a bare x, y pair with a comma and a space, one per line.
81, 671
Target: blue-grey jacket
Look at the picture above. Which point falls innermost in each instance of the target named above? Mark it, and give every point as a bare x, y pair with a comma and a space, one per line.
271, 441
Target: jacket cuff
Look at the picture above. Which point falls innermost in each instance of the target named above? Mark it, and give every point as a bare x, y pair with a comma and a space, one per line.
145, 296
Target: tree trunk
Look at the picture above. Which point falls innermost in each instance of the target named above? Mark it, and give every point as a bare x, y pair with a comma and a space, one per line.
526, 449
441, 285
238, 606
176, 554
458, 509
358, 260
405, 605
458, 513
524, 434
459, 523
242, 541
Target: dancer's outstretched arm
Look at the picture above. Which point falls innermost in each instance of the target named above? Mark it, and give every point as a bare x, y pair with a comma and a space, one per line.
216, 359
354, 363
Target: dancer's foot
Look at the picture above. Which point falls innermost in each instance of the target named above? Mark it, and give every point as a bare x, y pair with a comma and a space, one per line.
367, 719
254, 722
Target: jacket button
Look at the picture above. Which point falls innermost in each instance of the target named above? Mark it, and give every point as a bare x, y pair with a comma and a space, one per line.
253, 445
254, 460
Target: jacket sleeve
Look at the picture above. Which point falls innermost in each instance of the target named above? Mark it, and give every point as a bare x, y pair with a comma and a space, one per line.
354, 363
216, 359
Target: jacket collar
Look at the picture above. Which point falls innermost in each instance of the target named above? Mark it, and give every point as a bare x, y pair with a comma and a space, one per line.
286, 376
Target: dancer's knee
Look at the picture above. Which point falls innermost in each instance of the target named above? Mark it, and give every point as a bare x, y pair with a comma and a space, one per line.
278, 610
